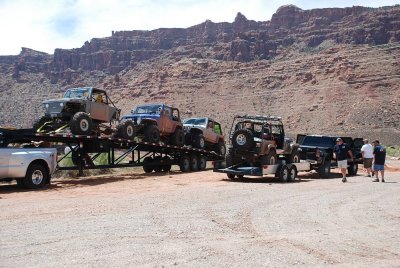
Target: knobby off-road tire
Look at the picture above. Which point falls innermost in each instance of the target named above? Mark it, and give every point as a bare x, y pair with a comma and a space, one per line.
199, 141
220, 148
178, 138
40, 122
126, 130
36, 176
81, 124
147, 164
352, 169
152, 134
243, 140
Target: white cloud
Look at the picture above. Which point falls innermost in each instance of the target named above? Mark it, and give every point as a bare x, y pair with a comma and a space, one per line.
48, 24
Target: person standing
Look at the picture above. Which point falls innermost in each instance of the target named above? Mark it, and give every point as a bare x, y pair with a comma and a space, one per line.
379, 161
341, 152
367, 155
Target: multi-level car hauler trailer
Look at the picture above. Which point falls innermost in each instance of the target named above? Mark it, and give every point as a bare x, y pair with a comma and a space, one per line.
84, 150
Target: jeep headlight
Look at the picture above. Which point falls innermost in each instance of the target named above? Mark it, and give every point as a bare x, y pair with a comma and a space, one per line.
61, 104
46, 106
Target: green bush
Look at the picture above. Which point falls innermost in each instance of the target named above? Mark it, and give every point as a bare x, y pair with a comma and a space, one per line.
393, 151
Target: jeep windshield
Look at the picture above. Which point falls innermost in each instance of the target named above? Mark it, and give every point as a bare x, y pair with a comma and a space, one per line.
148, 109
195, 121
77, 93
316, 141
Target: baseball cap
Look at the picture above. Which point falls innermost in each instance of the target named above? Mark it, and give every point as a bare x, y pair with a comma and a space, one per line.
366, 140
338, 139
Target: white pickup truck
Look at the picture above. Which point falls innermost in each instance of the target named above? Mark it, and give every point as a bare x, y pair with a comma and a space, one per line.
31, 167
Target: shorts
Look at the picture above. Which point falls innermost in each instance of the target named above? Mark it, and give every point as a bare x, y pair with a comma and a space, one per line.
368, 162
379, 167
342, 163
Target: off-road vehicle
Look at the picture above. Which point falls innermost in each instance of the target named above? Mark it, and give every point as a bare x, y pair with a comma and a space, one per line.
84, 110
155, 122
318, 149
204, 133
259, 140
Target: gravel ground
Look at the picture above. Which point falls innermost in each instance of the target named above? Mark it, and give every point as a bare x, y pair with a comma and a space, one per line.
202, 219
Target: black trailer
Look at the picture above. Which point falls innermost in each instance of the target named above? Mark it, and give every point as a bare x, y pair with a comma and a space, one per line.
84, 150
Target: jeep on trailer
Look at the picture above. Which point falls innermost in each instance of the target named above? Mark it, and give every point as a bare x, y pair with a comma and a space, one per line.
85, 110
318, 150
203, 133
155, 122
259, 140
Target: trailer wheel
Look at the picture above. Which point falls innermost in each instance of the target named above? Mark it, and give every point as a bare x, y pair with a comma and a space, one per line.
284, 174
202, 162
81, 124
199, 141
147, 164
230, 176
352, 169
194, 163
292, 173
36, 176
158, 167
167, 164
184, 163
324, 171
178, 138
152, 134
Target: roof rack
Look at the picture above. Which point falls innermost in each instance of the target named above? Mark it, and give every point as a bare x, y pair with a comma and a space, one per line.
260, 117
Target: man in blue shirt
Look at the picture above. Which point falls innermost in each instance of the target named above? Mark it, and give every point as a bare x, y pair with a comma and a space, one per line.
341, 151
379, 161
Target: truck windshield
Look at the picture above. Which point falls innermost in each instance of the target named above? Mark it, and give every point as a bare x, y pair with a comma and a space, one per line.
78, 93
317, 141
195, 121
148, 109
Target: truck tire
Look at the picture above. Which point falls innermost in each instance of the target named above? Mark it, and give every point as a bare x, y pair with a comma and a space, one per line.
199, 141
184, 163
220, 148
202, 162
284, 175
243, 139
81, 124
151, 134
230, 176
126, 130
292, 173
352, 169
194, 163
40, 122
178, 138
147, 164
324, 171
36, 176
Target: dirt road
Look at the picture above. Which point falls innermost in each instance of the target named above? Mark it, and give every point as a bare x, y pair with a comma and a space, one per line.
202, 219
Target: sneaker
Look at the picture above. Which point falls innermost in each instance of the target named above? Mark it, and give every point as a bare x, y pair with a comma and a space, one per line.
383, 180
344, 180
369, 176
376, 180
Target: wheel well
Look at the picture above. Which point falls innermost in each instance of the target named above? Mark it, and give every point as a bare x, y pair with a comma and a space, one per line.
44, 164
195, 131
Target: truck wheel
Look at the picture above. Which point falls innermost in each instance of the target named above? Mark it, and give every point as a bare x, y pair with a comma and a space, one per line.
352, 169
324, 171
284, 174
126, 130
157, 162
178, 138
166, 164
202, 162
243, 140
81, 124
295, 157
292, 173
36, 176
152, 134
194, 163
184, 163
39, 123
198, 141
147, 164
220, 148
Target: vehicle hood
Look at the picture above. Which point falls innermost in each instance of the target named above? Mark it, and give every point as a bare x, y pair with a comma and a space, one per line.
63, 100
139, 117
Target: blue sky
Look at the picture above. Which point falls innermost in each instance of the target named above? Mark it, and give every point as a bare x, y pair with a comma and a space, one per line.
44, 25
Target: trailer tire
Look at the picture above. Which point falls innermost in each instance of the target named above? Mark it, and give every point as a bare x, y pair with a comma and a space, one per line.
147, 164
167, 164
352, 169
194, 163
184, 163
36, 176
81, 124
292, 173
230, 176
158, 167
202, 162
151, 134
284, 174
324, 171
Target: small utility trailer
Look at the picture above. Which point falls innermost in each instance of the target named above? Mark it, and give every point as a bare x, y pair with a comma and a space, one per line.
286, 172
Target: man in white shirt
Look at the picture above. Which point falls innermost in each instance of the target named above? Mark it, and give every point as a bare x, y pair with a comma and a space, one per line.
367, 155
